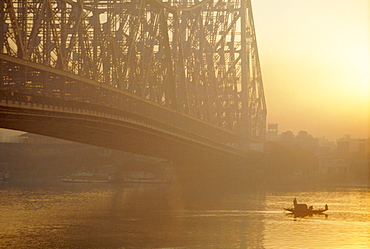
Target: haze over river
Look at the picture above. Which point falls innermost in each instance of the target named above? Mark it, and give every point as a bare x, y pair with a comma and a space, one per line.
52, 214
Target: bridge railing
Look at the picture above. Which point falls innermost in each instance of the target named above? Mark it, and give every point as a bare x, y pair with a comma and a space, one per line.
28, 84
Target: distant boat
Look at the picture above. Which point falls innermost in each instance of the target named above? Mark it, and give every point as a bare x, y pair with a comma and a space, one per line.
86, 177
4, 176
303, 210
144, 177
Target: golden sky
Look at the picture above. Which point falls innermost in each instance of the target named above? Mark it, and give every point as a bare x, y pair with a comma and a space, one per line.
314, 56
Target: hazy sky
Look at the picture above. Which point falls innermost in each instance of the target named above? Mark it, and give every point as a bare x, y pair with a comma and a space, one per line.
315, 65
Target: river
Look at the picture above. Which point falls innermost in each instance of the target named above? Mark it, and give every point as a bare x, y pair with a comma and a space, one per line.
52, 214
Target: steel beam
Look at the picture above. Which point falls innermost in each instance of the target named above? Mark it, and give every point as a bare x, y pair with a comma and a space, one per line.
198, 59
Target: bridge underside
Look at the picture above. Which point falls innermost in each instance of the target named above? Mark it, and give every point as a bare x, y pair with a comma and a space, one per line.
99, 131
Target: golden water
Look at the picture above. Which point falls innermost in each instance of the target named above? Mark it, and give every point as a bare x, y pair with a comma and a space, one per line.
56, 215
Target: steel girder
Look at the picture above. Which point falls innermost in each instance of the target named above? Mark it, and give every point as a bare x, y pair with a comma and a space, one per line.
199, 58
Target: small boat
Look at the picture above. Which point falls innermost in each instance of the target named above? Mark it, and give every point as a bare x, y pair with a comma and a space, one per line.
304, 210
144, 177
86, 177
4, 176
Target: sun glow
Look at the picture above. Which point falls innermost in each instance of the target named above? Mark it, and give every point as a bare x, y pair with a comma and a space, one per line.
315, 65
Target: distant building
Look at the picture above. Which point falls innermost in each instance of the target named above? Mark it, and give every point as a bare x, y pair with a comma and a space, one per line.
9, 136
272, 132
347, 145
325, 146
332, 165
363, 146
39, 139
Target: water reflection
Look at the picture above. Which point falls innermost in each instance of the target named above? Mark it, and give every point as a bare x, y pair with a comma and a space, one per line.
343, 227
306, 215
176, 216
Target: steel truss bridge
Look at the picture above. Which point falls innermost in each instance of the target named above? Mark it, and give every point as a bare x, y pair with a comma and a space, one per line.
168, 78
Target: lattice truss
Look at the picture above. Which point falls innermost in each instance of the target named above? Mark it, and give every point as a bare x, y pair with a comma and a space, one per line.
197, 57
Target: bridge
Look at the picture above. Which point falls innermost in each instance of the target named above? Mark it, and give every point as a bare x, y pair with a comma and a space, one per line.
178, 79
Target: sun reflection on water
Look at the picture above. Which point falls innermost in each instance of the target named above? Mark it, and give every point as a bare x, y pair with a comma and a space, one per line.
107, 216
